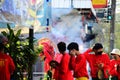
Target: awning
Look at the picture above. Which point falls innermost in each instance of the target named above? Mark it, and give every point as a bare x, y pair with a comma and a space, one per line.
84, 4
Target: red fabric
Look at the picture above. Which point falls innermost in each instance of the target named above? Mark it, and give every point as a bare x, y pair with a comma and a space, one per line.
48, 48
58, 57
56, 73
78, 64
118, 74
6, 67
48, 52
64, 70
113, 67
94, 60
47, 60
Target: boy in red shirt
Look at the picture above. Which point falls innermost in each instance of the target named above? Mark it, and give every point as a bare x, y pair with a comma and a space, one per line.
99, 62
115, 65
6, 63
78, 63
64, 72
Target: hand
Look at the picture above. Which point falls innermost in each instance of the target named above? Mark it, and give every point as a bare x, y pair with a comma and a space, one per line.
100, 66
72, 53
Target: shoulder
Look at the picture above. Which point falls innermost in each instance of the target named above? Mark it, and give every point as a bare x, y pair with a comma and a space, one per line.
112, 60
7, 56
105, 54
66, 55
81, 56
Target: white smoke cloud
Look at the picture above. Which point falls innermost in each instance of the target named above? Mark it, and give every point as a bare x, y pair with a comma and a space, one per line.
68, 27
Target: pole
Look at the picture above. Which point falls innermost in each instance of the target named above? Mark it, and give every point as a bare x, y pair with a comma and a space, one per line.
112, 24
31, 36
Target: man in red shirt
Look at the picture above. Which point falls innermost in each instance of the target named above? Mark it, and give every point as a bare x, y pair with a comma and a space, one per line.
98, 61
6, 63
78, 63
115, 65
64, 72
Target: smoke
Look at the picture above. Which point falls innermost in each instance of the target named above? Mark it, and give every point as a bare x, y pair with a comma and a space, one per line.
67, 26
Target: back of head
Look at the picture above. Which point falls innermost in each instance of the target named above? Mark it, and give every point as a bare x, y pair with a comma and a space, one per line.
97, 46
61, 46
73, 45
2, 37
1, 46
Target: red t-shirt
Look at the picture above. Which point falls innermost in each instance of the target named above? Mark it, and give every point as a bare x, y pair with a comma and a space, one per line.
78, 65
6, 67
64, 70
118, 74
94, 60
113, 67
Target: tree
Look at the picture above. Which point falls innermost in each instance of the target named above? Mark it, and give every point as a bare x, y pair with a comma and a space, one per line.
23, 56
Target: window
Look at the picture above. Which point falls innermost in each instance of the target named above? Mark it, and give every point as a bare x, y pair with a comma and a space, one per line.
61, 3
82, 3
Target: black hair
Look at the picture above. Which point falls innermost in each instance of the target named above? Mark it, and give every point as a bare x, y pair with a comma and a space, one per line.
97, 46
1, 38
73, 45
61, 46
1, 42
1, 46
53, 63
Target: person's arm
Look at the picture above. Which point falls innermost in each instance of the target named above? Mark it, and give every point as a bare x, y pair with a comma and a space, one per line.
112, 67
72, 62
79, 63
107, 62
86, 53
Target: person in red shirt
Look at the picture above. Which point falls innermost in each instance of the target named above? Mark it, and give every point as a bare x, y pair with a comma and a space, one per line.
64, 72
114, 65
7, 66
78, 63
98, 61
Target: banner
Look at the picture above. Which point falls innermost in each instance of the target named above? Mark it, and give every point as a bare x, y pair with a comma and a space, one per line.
99, 3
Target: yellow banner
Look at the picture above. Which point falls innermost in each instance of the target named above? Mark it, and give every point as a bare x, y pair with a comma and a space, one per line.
99, 2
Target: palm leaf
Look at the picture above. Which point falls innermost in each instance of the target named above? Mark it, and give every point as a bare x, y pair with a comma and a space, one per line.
18, 33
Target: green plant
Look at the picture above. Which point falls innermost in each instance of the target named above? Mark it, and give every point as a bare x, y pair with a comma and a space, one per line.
23, 56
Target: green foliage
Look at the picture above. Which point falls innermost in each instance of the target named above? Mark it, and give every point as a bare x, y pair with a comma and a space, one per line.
38, 49
23, 56
105, 35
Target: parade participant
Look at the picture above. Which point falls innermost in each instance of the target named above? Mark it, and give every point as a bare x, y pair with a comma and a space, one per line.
98, 61
48, 52
115, 65
78, 63
54, 69
7, 66
64, 72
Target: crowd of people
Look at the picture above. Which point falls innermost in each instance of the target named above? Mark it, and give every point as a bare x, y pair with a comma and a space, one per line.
73, 65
